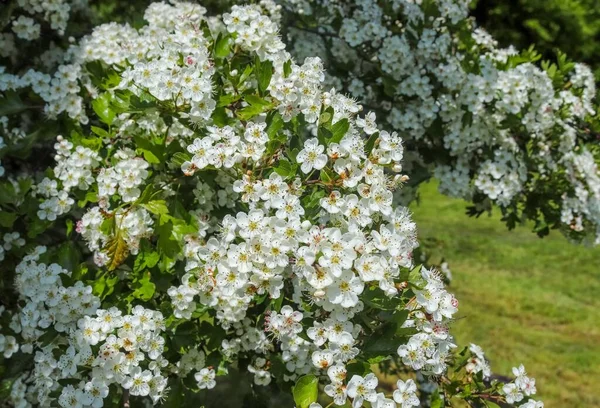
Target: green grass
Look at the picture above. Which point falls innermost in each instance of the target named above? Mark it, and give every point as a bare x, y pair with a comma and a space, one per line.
523, 299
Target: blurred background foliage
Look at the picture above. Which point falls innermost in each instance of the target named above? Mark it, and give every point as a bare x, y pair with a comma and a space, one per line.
571, 26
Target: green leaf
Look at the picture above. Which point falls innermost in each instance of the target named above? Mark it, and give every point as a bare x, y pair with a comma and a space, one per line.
339, 130
324, 135
276, 303
389, 86
222, 46
226, 100
104, 285
326, 175
264, 72
148, 194
36, 227
377, 299
103, 109
219, 116
245, 74
186, 334
11, 103
151, 259
436, 400
48, 337
167, 244
250, 111
180, 157
7, 219
68, 256
287, 68
157, 207
176, 394
7, 193
306, 391
357, 368
284, 168
144, 288
274, 124
371, 143
69, 224
100, 132
256, 100
383, 343
153, 153
94, 143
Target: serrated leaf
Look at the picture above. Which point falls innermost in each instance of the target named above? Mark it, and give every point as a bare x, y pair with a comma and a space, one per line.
157, 207
104, 285
151, 259
306, 391
117, 251
144, 288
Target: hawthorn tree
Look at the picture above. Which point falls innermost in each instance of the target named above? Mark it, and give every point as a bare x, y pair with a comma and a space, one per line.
185, 199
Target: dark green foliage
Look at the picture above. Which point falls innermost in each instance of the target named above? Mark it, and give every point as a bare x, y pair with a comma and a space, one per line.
571, 26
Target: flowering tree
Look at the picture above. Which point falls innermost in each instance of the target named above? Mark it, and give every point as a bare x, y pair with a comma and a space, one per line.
212, 206
489, 124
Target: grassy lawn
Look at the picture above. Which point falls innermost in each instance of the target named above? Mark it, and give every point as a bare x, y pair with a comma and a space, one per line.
523, 299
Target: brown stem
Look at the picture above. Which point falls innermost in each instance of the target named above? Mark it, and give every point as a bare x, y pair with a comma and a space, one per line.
125, 398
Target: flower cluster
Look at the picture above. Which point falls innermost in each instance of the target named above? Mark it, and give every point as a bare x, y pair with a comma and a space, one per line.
74, 169
522, 385
129, 353
60, 92
505, 124
26, 28
428, 349
478, 362
47, 302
